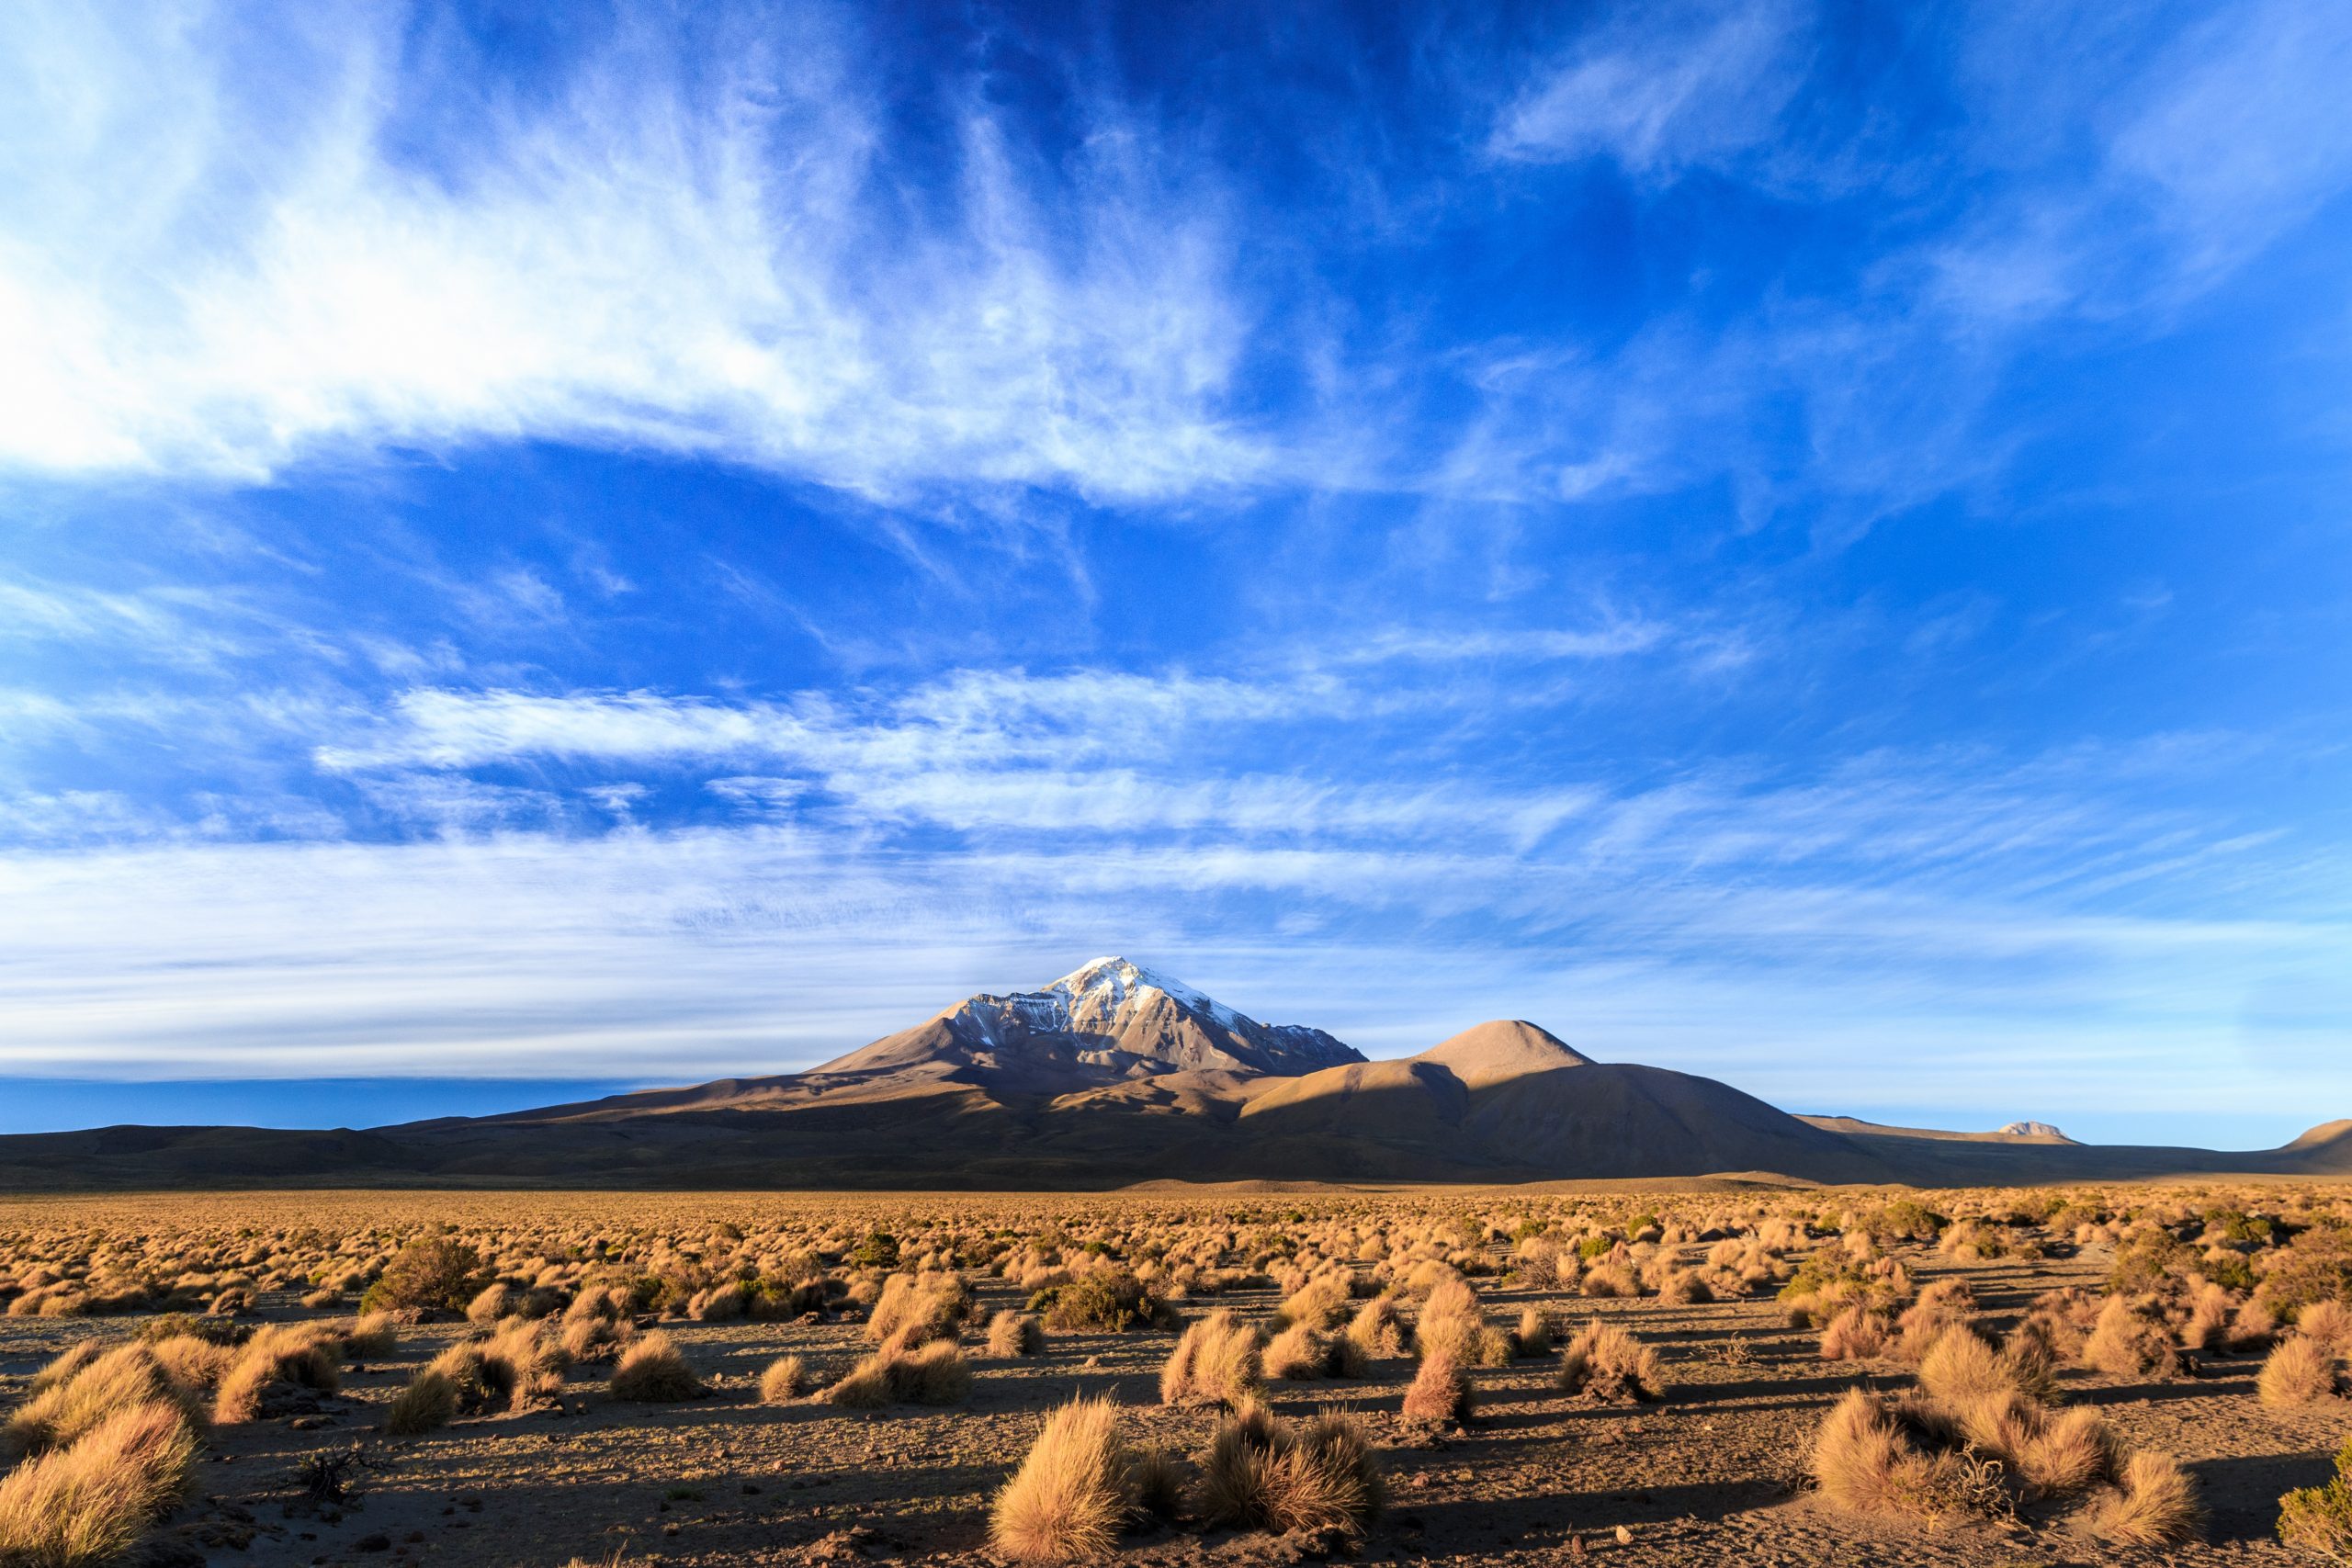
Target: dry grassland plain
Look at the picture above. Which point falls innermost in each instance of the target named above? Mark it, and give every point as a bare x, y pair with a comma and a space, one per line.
1699, 1373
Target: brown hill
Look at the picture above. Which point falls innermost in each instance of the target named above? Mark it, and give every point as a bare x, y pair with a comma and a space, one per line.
1529, 1105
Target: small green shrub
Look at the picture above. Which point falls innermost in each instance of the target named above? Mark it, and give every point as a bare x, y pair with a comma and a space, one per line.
1107, 1302
2318, 1519
435, 1274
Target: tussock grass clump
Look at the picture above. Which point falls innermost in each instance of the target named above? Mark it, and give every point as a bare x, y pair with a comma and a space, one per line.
87, 1392
786, 1379
1318, 1304
1441, 1391
1533, 1334
2318, 1519
913, 1310
2327, 1324
1920, 1458
654, 1371
429, 1401
596, 1339
493, 1302
1680, 1287
1607, 1281
477, 1380
1856, 1334
1606, 1364
1263, 1473
196, 1365
1300, 1353
2043, 1455
2130, 1341
2155, 1506
1219, 1360
1865, 1462
1015, 1334
68, 1362
372, 1335
528, 1360
935, 1374
1078, 1486
865, 1386
2299, 1371
1378, 1330
274, 1363
87, 1505
1945, 1305
1454, 1324
1960, 1369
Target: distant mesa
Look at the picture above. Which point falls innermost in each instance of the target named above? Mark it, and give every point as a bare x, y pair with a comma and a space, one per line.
1118, 1076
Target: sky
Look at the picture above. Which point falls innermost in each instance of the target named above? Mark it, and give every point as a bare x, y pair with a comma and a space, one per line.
546, 546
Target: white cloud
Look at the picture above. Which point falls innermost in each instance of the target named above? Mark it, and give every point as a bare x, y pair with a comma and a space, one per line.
226, 251
2244, 133
1662, 91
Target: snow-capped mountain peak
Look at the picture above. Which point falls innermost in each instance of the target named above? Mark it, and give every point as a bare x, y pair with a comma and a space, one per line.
1114, 984
1115, 1016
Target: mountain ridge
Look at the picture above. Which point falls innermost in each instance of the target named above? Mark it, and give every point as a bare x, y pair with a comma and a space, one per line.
1116, 1075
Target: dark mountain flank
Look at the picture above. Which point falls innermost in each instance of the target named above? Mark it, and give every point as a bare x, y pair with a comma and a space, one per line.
1113, 1076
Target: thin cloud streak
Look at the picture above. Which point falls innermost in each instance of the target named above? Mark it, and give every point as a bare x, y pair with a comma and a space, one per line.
658, 256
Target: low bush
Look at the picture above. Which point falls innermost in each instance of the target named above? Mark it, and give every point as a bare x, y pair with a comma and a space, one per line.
434, 1274
1105, 1300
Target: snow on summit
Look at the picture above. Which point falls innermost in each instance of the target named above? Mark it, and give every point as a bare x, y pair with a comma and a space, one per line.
1118, 979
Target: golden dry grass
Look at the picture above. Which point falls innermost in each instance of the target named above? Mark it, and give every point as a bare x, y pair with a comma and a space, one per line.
1219, 1360
1441, 1391
2298, 1371
89, 1504
1609, 1365
1263, 1472
783, 1380
1073, 1490
654, 1371
2156, 1504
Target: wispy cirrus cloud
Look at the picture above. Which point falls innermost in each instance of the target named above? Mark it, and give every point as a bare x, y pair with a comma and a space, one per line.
238, 245
1663, 90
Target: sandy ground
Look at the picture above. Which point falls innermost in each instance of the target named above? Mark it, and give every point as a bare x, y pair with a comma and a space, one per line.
1713, 1473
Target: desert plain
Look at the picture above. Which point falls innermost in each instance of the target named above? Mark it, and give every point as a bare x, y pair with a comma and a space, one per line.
2114, 1374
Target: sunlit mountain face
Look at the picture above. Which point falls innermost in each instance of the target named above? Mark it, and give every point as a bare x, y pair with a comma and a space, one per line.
1800, 546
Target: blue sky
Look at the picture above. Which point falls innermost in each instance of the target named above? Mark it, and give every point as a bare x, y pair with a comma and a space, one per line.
1800, 543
